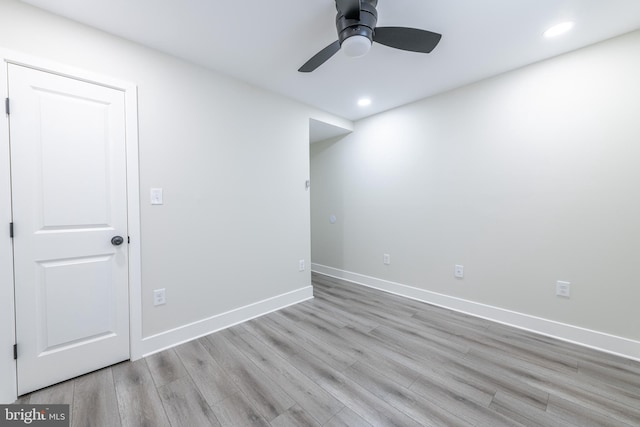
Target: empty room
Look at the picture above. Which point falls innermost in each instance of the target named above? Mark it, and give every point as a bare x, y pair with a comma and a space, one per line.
319, 213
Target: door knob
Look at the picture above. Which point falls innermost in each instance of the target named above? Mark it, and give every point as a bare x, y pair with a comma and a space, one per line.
117, 240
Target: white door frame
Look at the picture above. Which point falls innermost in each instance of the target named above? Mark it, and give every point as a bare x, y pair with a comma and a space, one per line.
8, 387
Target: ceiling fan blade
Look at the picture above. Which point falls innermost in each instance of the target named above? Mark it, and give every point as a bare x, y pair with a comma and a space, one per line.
320, 57
349, 8
411, 39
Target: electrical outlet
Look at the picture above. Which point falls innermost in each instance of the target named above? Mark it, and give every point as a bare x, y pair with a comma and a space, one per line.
459, 271
159, 297
563, 289
386, 258
301, 265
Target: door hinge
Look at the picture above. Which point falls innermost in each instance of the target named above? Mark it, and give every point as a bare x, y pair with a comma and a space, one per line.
11, 230
6, 106
15, 352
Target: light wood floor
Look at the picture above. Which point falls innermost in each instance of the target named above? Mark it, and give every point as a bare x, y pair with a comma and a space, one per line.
359, 357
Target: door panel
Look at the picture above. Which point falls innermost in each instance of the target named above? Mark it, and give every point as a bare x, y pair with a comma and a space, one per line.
68, 158
85, 279
75, 171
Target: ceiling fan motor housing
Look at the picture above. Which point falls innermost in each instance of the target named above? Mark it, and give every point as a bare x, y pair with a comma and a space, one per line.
363, 26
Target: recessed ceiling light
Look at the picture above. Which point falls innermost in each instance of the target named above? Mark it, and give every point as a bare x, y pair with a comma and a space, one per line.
363, 102
556, 30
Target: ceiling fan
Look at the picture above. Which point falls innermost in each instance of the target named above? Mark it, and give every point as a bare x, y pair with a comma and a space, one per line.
356, 24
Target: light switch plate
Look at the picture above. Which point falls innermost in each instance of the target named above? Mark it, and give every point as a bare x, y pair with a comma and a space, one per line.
156, 196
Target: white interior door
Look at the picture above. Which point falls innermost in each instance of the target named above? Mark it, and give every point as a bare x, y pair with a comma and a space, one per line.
68, 162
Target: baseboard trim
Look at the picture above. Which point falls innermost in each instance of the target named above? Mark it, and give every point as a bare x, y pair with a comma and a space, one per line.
165, 340
601, 341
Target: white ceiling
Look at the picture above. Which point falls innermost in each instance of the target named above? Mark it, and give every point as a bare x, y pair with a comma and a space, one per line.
265, 42
320, 131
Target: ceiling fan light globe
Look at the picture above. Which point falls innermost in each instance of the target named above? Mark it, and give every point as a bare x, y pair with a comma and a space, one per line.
356, 46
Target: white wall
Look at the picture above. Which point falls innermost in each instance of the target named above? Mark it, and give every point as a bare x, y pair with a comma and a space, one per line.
525, 179
232, 160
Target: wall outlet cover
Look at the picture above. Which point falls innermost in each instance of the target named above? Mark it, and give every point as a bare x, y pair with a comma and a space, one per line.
563, 289
459, 271
159, 297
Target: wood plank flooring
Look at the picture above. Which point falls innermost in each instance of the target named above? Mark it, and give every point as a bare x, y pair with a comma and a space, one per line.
354, 356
